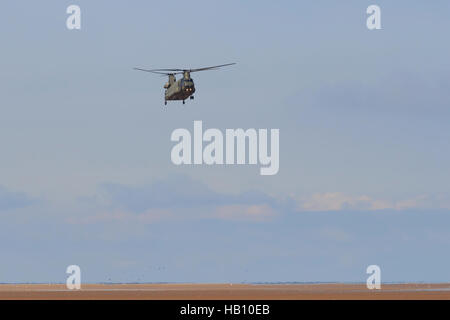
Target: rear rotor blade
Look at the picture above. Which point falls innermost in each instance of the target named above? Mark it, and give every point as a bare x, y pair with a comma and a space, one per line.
211, 68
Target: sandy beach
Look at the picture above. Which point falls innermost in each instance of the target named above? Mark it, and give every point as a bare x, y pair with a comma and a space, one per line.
224, 292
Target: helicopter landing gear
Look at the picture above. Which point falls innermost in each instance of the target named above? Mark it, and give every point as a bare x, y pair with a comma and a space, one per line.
165, 102
191, 97
183, 102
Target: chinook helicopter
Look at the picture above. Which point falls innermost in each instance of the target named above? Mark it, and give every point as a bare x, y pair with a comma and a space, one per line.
183, 88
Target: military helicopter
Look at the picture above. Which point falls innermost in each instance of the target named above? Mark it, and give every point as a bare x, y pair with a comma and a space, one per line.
183, 88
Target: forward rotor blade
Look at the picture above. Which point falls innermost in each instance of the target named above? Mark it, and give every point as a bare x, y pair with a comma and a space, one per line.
154, 71
181, 71
175, 70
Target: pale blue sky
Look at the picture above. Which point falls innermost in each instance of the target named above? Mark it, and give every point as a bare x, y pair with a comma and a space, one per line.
85, 170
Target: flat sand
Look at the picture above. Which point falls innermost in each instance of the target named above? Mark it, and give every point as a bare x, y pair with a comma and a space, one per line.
224, 292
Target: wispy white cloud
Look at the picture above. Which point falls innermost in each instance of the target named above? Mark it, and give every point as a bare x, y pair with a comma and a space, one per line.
337, 201
149, 216
256, 212
182, 198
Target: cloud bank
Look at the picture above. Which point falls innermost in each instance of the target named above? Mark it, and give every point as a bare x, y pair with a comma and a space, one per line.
13, 200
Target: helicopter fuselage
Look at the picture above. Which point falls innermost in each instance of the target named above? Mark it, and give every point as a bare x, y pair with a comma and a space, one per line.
183, 88
179, 90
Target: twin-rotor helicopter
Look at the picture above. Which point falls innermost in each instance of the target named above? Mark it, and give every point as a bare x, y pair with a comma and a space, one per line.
183, 88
